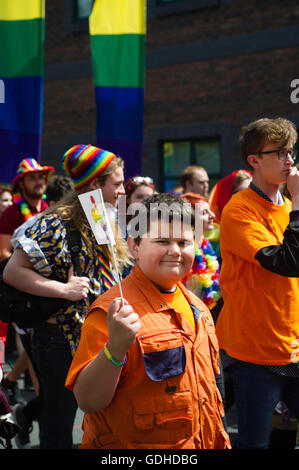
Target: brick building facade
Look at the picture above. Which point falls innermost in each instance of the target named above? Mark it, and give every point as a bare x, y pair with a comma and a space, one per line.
211, 67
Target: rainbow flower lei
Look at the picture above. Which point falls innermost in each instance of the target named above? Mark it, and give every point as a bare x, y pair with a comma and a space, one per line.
24, 208
203, 278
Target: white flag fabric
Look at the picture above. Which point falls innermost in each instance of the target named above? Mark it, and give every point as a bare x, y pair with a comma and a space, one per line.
95, 211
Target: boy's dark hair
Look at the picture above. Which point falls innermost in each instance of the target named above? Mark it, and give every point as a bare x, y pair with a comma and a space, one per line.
58, 187
166, 207
258, 133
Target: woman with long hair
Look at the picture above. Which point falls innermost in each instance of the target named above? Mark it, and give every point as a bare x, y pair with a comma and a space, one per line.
226, 188
138, 188
45, 252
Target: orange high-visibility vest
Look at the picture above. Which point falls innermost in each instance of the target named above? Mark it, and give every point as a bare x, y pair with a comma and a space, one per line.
167, 395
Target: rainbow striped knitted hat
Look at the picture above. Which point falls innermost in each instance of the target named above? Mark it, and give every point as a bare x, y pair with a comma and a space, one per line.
84, 162
30, 165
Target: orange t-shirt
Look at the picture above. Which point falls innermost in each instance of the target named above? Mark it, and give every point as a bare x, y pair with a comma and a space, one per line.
181, 304
259, 322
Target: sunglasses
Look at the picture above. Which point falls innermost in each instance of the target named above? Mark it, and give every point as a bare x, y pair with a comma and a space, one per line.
142, 179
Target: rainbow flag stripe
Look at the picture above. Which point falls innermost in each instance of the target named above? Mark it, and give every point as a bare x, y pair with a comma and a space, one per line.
106, 272
22, 29
117, 36
95, 168
83, 162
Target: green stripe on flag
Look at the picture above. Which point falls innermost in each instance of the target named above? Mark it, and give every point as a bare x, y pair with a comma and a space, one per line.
118, 60
22, 48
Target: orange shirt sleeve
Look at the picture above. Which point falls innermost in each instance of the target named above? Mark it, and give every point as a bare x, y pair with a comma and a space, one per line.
243, 232
94, 334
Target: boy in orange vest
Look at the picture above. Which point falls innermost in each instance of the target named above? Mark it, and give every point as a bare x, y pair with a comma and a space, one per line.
144, 371
258, 327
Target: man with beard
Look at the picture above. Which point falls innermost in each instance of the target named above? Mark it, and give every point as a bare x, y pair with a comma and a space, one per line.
28, 188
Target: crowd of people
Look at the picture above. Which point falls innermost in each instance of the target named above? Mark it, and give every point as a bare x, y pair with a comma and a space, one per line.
204, 316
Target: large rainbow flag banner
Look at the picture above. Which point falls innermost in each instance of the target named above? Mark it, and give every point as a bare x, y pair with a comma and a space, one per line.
117, 35
22, 28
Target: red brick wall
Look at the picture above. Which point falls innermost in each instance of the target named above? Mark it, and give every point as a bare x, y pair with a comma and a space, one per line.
232, 19
228, 89
233, 89
69, 109
61, 46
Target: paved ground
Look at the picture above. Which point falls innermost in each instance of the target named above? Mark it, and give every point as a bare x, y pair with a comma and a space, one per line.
77, 433
28, 393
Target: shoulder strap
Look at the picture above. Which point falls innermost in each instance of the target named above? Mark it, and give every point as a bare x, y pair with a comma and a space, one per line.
75, 245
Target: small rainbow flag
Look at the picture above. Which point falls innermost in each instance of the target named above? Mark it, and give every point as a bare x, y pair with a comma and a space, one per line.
117, 35
22, 28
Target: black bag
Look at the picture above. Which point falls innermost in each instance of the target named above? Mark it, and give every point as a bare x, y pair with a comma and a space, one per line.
8, 430
28, 310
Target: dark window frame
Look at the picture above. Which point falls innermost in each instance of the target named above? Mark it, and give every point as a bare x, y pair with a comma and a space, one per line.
193, 141
153, 139
76, 12
71, 24
155, 8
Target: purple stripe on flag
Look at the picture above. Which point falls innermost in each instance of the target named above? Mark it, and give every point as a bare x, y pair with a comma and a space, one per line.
129, 150
23, 105
120, 112
14, 147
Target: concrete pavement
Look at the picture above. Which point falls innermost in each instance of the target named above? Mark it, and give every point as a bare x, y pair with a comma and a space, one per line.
28, 393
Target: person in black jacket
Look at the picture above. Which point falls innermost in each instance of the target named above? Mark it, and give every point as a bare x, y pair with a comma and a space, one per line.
258, 327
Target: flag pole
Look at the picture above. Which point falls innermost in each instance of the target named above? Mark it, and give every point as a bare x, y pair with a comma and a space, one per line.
95, 215
117, 274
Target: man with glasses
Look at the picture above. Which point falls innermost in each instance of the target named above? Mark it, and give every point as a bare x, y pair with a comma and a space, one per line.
258, 327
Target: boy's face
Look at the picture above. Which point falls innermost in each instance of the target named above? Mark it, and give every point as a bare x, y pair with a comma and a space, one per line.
271, 169
165, 260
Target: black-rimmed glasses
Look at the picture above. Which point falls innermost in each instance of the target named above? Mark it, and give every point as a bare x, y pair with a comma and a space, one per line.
281, 154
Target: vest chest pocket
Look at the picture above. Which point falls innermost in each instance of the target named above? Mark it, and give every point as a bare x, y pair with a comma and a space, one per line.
163, 354
162, 421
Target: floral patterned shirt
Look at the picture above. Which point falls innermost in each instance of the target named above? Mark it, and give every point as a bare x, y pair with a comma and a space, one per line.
46, 245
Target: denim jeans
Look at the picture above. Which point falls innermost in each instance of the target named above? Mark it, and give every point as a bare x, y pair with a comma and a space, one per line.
257, 391
53, 357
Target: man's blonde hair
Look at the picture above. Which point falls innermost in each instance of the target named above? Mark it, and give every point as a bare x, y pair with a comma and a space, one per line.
188, 174
113, 165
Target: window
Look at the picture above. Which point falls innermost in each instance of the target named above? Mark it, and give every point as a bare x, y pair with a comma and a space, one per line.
177, 155
83, 9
